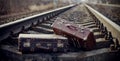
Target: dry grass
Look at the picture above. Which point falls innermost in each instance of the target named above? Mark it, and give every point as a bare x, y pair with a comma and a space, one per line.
40, 7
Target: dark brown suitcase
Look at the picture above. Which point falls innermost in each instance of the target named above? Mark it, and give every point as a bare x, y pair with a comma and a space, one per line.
78, 36
42, 43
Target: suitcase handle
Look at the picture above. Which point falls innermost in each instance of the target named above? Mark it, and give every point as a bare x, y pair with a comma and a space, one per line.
42, 47
71, 27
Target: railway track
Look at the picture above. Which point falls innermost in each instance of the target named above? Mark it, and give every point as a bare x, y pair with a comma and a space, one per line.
80, 14
112, 13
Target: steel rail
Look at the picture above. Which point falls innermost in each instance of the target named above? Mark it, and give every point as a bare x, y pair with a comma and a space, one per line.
111, 26
17, 26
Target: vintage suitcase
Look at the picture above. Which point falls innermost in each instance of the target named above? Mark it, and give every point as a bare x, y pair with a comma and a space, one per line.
29, 43
78, 36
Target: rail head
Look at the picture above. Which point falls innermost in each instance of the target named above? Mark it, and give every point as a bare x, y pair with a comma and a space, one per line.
111, 26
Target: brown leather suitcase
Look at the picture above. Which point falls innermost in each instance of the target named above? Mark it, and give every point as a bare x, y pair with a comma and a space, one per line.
78, 36
29, 43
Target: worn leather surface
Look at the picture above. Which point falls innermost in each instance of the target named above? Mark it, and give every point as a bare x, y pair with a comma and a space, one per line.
83, 36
